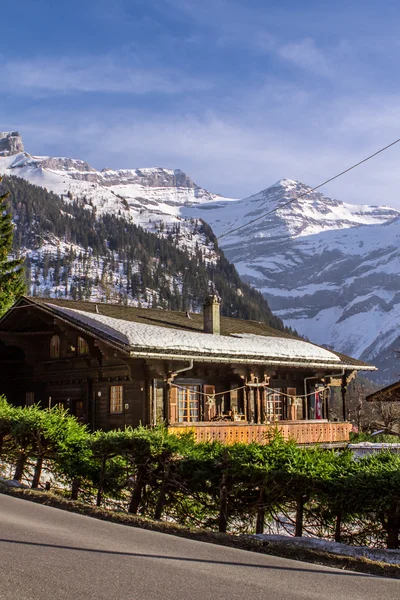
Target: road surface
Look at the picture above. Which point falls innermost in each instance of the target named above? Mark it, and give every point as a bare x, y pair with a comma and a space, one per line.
50, 554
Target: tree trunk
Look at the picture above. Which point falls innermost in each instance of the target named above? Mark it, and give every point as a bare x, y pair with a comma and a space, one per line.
223, 504
76, 482
163, 493
392, 539
20, 465
299, 516
137, 493
37, 472
260, 524
101, 482
392, 530
338, 525
99, 496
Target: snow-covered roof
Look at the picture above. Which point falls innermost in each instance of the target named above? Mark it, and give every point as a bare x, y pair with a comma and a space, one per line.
140, 338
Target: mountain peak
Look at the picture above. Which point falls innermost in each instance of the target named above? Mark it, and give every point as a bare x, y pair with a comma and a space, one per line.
286, 183
10, 143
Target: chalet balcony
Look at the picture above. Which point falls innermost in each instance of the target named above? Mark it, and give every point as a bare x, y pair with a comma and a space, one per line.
318, 431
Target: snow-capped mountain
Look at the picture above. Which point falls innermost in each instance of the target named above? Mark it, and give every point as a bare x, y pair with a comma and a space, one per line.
330, 270
151, 197
141, 194
292, 216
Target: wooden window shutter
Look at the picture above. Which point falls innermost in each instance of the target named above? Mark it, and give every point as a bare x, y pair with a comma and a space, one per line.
210, 408
173, 404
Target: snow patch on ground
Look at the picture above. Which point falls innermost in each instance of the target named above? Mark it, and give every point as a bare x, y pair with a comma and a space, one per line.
13, 483
387, 556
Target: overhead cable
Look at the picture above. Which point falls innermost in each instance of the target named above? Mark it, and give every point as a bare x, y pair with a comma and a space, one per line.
308, 191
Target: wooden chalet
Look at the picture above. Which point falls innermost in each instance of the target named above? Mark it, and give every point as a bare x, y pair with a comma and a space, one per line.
390, 393
114, 366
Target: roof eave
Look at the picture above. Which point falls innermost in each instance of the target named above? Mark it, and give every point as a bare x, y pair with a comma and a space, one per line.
248, 359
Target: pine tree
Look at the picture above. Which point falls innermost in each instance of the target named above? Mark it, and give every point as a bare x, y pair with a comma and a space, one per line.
12, 281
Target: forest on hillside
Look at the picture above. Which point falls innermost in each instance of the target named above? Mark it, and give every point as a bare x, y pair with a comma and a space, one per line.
72, 252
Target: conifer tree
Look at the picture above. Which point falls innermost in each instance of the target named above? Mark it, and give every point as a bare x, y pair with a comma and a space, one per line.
12, 284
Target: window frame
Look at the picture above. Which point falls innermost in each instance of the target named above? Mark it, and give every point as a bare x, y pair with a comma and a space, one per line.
116, 402
274, 405
29, 398
82, 347
55, 347
188, 403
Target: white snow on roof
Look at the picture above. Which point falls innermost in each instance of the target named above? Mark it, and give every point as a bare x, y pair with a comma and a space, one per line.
139, 336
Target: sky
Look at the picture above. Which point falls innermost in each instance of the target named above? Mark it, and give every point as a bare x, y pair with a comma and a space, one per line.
238, 94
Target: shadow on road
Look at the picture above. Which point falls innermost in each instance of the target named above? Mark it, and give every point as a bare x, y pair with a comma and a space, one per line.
320, 571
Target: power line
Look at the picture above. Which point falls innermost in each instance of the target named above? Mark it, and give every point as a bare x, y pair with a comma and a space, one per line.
309, 191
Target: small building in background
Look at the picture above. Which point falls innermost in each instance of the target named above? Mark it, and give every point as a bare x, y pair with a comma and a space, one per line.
390, 393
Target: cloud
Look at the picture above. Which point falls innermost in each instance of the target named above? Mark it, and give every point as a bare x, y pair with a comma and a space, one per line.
94, 74
306, 55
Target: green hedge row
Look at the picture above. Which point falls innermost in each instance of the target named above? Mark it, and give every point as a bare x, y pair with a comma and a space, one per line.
238, 488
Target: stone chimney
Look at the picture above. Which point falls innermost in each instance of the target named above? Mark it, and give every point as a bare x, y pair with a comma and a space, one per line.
212, 318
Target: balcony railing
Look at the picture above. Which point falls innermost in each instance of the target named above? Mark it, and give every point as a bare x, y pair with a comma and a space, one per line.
303, 432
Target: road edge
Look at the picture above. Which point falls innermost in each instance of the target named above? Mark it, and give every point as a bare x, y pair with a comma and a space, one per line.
242, 542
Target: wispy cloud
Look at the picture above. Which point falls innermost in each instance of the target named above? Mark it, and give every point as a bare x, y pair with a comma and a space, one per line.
306, 55
237, 157
94, 74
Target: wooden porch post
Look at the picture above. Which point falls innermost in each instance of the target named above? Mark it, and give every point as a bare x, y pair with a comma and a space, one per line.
258, 404
166, 401
263, 407
344, 390
249, 408
273, 407
326, 398
305, 405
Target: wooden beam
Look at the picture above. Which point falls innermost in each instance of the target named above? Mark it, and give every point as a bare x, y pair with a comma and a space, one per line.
27, 333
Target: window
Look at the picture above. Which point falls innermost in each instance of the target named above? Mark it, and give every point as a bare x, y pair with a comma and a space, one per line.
116, 398
188, 403
55, 347
273, 405
82, 346
29, 398
79, 412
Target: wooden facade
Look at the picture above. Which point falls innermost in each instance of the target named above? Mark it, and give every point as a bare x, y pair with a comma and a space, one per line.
45, 358
304, 432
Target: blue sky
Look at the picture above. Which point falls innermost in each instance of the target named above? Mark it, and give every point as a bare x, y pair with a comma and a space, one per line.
236, 93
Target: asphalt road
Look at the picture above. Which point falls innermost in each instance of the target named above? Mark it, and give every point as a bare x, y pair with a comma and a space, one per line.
46, 553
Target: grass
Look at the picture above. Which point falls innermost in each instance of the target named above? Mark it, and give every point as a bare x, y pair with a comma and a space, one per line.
274, 548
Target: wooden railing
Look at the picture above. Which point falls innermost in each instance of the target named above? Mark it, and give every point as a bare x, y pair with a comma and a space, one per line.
303, 432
